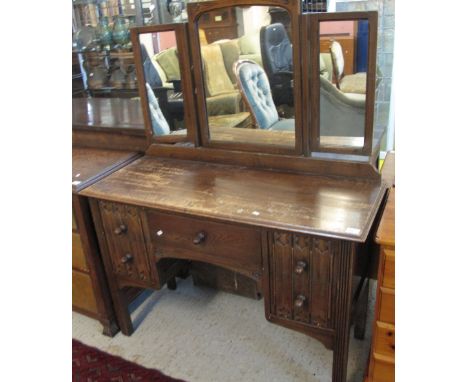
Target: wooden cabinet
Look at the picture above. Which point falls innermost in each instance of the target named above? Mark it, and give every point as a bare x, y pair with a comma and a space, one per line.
219, 24
90, 293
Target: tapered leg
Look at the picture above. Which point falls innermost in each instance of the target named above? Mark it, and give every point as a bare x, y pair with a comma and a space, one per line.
343, 264
109, 328
121, 310
361, 312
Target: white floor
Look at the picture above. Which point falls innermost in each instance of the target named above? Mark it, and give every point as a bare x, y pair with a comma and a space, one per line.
201, 335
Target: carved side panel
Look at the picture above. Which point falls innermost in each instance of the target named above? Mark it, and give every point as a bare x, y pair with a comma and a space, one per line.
321, 260
127, 248
301, 270
281, 277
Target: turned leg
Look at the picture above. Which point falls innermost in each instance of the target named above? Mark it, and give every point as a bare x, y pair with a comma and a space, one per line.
172, 283
361, 312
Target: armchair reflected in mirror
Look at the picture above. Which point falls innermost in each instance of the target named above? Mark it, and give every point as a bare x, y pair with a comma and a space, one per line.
161, 72
343, 64
248, 77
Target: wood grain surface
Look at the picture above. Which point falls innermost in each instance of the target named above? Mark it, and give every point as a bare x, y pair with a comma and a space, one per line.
333, 207
90, 165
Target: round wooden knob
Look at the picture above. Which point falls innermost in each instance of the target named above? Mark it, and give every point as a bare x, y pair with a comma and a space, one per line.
299, 301
120, 229
125, 259
300, 266
200, 238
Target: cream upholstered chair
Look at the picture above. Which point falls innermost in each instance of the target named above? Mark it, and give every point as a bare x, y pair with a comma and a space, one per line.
255, 89
352, 83
341, 114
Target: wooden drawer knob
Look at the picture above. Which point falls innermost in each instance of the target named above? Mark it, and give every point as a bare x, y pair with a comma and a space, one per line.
127, 258
200, 238
299, 301
300, 267
120, 229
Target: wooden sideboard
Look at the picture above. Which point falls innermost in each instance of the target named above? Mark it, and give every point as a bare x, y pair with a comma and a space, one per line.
301, 238
90, 294
382, 356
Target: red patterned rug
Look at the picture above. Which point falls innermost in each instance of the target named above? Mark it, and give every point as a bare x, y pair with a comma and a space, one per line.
93, 365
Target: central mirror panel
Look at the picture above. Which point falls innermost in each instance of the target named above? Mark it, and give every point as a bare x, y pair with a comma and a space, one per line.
247, 68
163, 92
343, 78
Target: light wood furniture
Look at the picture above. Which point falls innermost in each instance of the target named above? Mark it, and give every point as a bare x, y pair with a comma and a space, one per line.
382, 357
90, 292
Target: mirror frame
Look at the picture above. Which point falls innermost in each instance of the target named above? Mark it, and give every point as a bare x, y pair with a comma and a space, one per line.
195, 11
181, 34
311, 30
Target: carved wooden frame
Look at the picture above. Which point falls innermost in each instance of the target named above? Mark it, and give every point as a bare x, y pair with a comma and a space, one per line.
195, 11
310, 58
186, 80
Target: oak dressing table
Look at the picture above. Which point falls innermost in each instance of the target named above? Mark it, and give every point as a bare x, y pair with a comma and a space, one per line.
291, 212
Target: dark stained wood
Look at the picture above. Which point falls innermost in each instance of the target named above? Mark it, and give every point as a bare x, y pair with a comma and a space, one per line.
233, 247
108, 114
109, 140
183, 52
311, 93
108, 123
90, 290
90, 165
333, 166
314, 205
195, 11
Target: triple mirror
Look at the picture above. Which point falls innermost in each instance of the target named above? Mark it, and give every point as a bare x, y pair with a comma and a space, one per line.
251, 76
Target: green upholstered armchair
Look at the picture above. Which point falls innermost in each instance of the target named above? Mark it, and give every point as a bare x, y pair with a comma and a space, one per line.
222, 96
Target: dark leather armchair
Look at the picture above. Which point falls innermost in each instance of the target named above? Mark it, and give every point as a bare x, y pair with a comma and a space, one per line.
277, 60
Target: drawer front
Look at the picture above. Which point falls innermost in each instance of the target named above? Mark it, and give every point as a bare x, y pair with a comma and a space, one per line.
389, 268
82, 292
78, 256
382, 371
384, 342
222, 244
125, 238
300, 278
387, 305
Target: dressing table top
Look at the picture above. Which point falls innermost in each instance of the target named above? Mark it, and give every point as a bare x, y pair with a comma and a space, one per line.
90, 165
334, 207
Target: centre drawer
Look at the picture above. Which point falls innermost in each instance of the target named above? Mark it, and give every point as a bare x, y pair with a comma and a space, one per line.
221, 244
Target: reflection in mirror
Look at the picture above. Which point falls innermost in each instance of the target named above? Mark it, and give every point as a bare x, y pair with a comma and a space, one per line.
248, 75
343, 74
161, 71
